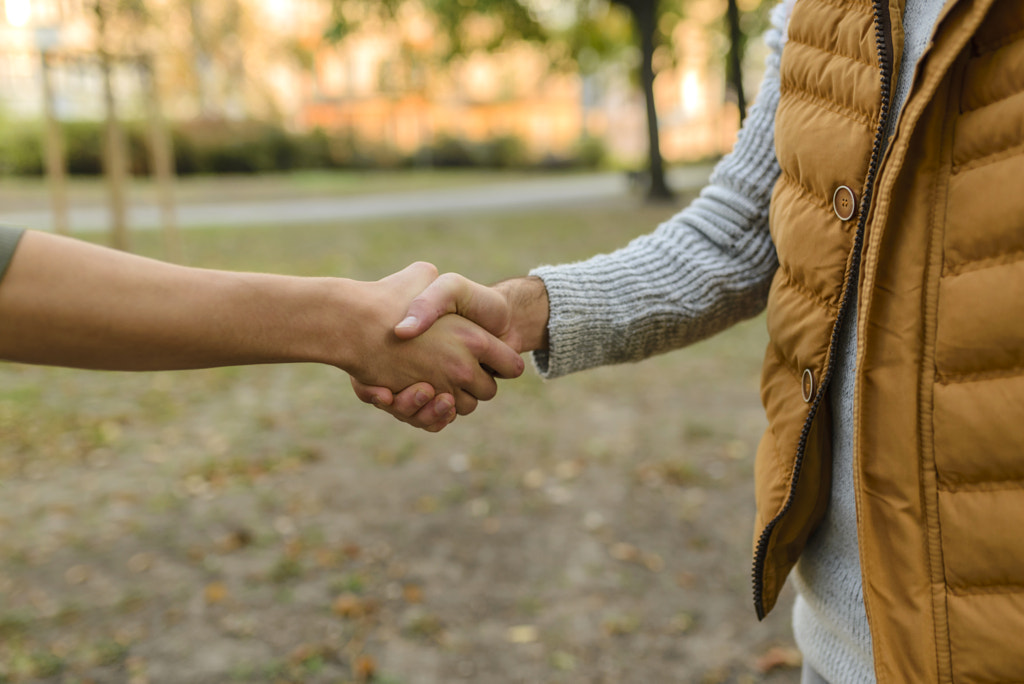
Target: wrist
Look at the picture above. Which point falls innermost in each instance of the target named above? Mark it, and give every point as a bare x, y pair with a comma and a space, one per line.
339, 317
528, 300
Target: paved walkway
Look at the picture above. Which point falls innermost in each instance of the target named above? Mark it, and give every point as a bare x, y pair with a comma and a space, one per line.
549, 191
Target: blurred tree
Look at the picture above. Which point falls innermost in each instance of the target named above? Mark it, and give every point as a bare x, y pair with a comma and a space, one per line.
115, 161
125, 36
569, 28
576, 32
734, 65
652, 26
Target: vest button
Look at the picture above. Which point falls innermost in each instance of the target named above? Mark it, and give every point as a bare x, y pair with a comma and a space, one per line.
807, 385
844, 203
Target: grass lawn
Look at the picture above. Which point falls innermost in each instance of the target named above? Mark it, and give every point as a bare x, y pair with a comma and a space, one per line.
259, 524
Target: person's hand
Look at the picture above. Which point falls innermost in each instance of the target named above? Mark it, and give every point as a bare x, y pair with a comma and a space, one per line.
514, 310
452, 293
456, 358
418, 405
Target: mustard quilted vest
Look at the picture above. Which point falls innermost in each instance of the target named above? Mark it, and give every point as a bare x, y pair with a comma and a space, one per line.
933, 224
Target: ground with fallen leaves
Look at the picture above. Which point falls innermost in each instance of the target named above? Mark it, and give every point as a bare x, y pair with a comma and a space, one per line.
260, 525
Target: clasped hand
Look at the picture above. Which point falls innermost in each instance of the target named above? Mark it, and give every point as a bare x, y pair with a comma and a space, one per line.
442, 356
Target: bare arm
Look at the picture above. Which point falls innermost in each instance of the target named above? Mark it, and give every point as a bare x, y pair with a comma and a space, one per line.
66, 302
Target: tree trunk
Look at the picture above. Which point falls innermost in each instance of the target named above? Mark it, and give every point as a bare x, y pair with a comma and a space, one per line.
114, 146
161, 161
735, 78
202, 61
56, 162
645, 13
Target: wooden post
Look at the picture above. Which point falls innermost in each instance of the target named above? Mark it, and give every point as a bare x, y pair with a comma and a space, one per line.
114, 160
161, 161
56, 164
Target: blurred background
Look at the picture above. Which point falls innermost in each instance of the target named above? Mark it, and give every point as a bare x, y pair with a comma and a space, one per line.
259, 524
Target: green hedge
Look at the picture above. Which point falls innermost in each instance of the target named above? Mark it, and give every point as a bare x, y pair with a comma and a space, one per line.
215, 147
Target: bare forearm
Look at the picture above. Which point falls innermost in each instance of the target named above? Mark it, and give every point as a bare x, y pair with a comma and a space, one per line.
65, 302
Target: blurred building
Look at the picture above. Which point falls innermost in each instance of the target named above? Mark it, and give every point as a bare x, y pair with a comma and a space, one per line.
60, 29
267, 59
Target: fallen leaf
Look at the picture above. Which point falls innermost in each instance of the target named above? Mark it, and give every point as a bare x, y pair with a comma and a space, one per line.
303, 652
564, 661
76, 574
364, 668
521, 634
236, 539
686, 580
569, 470
621, 624
215, 592
681, 623
140, 562
348, 606
412, 593
622, 551
779, 657
534, 479
653, 562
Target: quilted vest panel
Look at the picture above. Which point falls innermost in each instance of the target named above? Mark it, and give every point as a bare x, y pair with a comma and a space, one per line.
939, 422
825, 131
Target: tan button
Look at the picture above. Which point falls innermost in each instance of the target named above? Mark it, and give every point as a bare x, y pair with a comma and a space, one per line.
807, 385
844, 203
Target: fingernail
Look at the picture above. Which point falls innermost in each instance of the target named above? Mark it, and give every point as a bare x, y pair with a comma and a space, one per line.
408, 322
421, 397
375, 400
444, 407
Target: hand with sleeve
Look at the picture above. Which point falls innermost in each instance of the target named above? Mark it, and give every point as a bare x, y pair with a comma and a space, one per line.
513, 310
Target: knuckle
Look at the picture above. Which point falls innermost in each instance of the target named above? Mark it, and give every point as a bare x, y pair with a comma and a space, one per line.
405, 410
427, 267
465, 404
490, 390
448, 279
463, 375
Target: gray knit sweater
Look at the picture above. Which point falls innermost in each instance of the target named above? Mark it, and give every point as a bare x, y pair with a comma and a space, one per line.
703, 270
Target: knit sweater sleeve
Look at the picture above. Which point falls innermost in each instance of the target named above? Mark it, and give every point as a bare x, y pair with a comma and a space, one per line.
701, 271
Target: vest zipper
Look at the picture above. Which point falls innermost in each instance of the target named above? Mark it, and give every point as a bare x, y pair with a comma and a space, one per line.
883, 43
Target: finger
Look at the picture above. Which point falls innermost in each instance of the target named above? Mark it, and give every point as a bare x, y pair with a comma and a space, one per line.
466, 403
500, 360
416, 277
453, 293
436, 414
380, 397
409, 401
442, 424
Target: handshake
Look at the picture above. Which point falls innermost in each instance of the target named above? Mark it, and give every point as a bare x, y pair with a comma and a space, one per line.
433, 345
422, 347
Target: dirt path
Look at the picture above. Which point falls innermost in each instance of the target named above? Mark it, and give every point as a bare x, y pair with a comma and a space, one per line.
257, 525
501, 196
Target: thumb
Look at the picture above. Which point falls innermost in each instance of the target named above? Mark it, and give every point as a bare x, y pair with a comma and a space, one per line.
453, 293
414, 277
